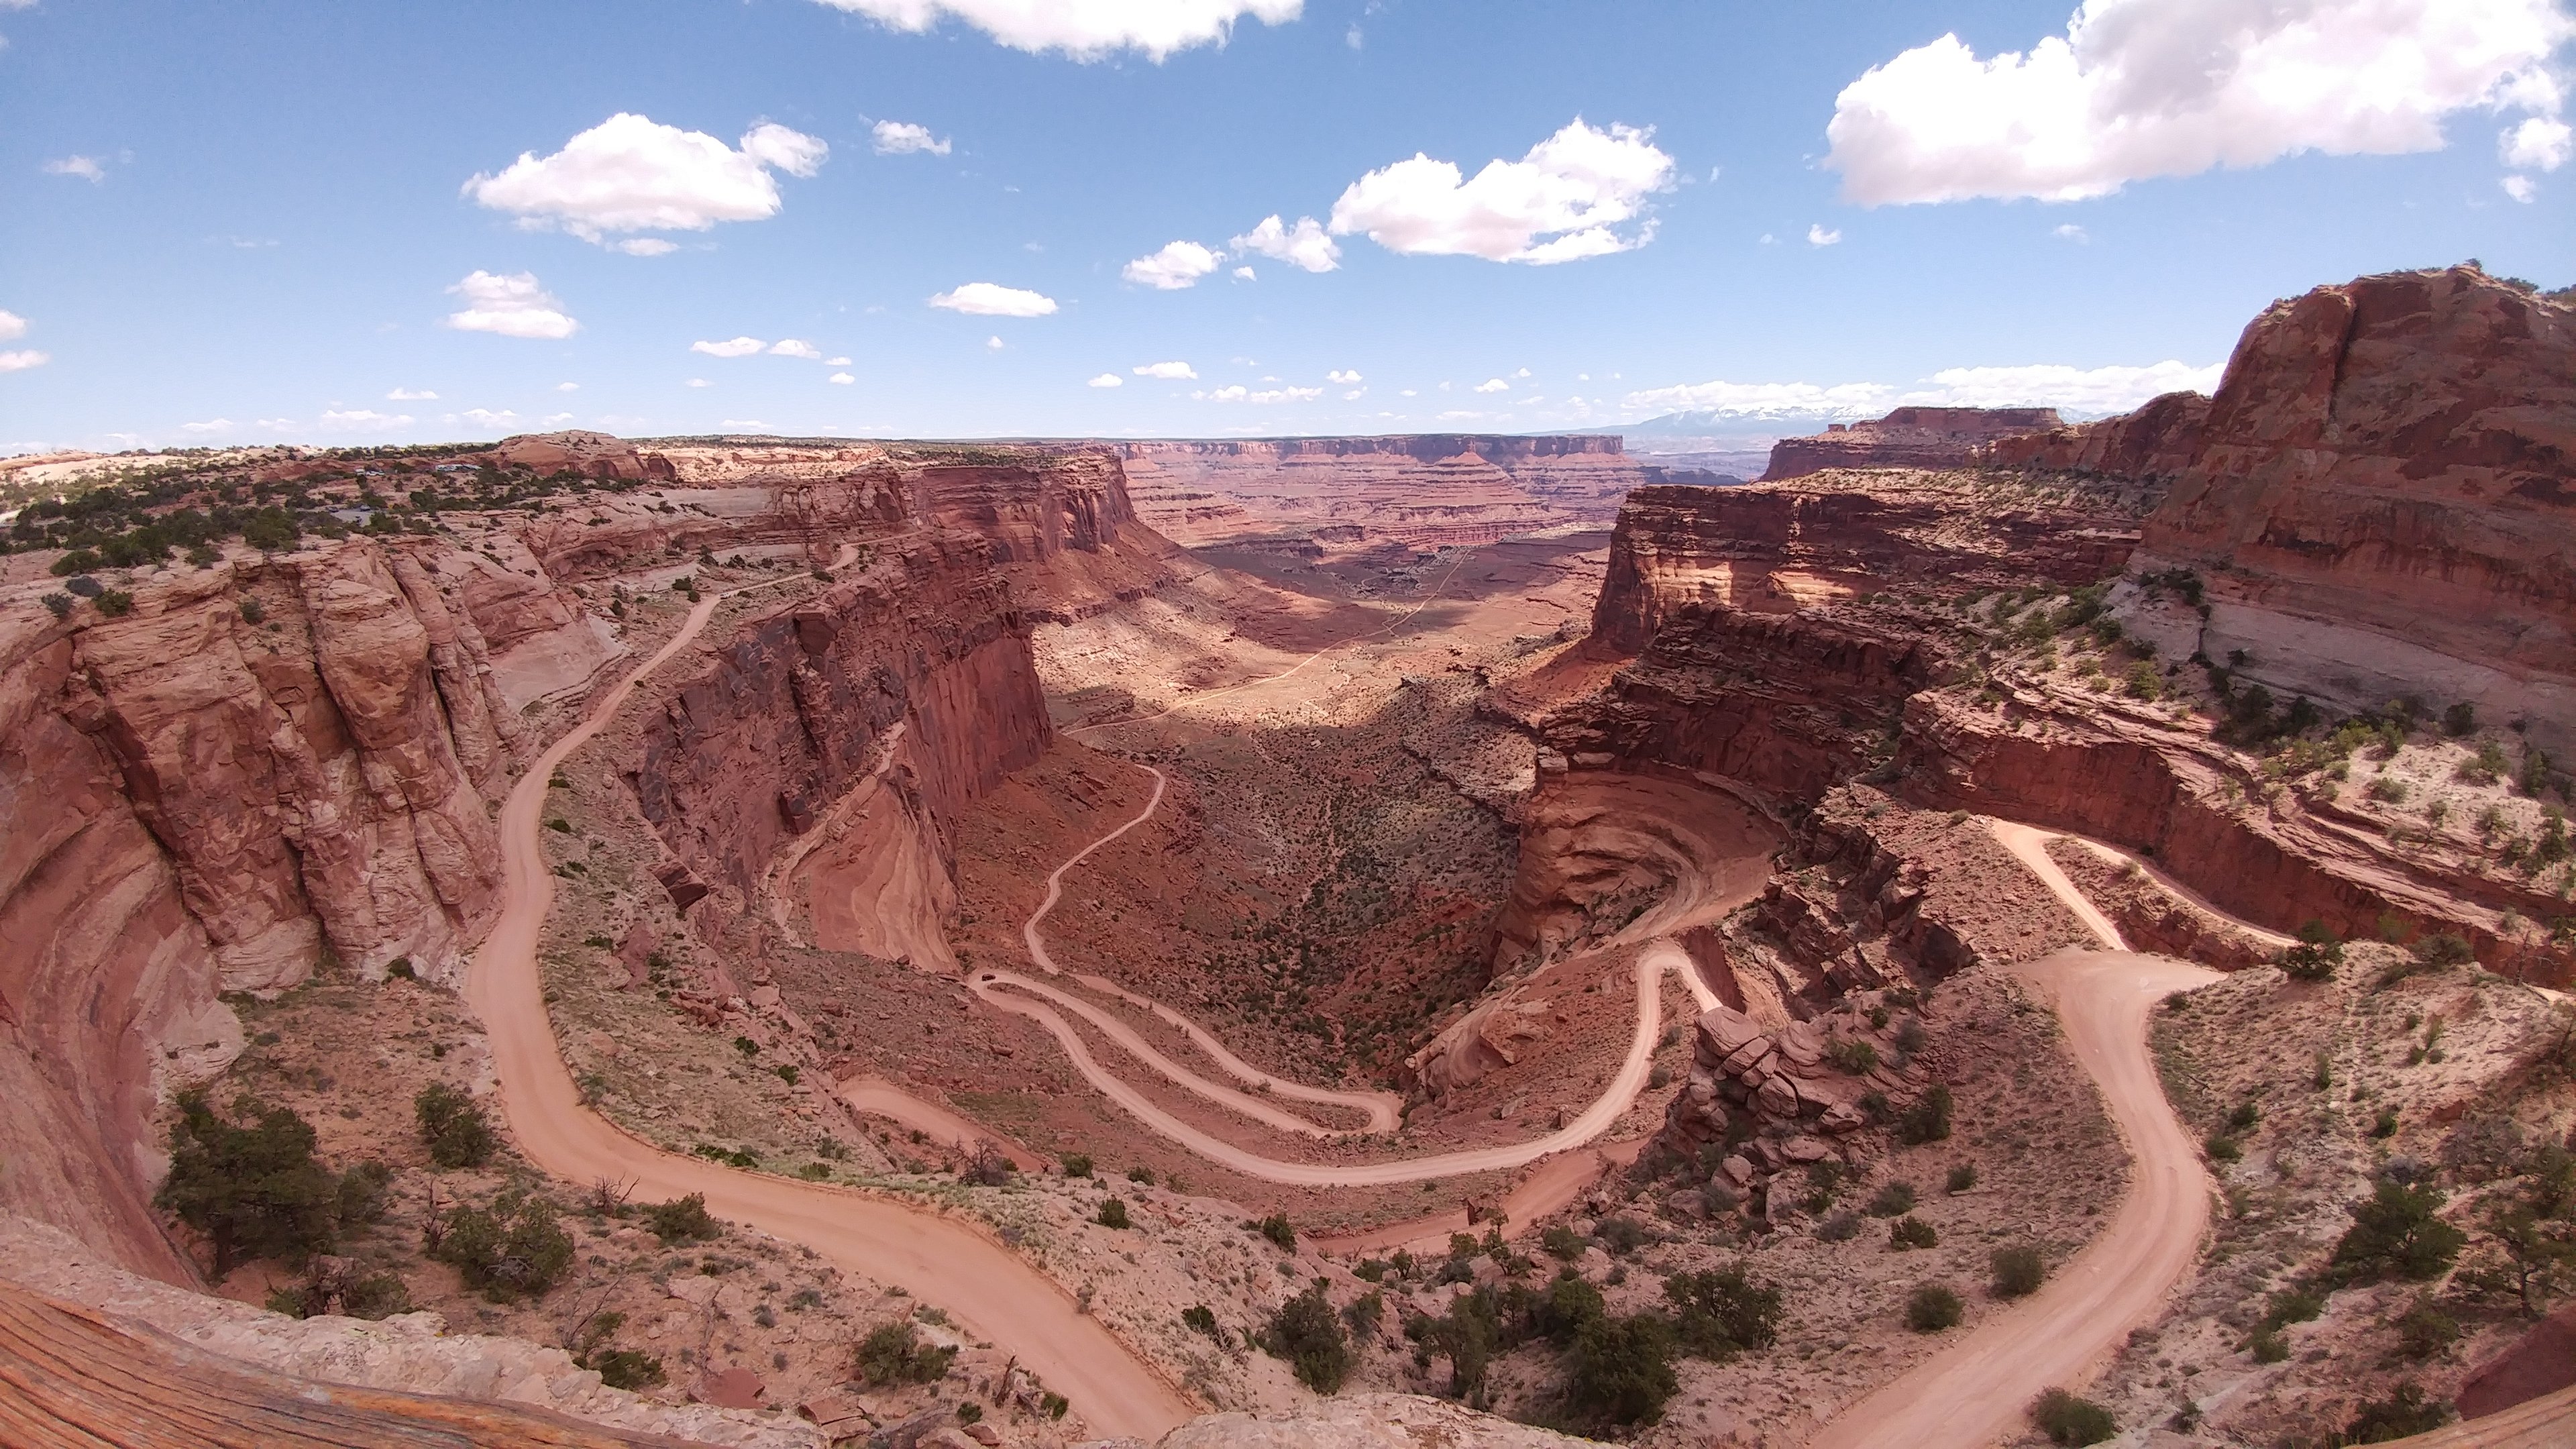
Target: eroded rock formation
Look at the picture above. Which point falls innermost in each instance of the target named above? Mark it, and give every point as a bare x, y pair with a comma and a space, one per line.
1426, 490
1909, 437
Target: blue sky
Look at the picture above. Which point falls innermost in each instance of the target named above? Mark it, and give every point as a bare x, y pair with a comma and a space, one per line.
262, 219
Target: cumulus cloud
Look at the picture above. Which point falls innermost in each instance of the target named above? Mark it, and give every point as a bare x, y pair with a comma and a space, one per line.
991, 299
1239, 393
903, 138
632, 173
645, 246
209, 427
836, 362
1819, 236
11, 325
363, 420
697, 382
513, 306
2520, 188
2541, 143
1179, 264
1082, 29
2146, 88
2072, 232
1346, 377
404, 394
2090, 392
567, 387
736, 347
791, 347
1246, 274
1108, 379
995, 343
1566, 200
841, 379
554, 418
486, 418
1306, 245
1169, 371
87, 168
1493, 384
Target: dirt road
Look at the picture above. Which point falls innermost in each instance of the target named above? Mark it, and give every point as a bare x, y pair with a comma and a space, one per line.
989, 1291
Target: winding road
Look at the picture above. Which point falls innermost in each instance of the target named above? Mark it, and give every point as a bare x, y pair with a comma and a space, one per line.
989, 1291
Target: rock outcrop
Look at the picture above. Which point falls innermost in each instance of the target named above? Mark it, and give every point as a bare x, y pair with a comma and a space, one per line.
1426, 490
2159, 440
1909, 437
1781, 548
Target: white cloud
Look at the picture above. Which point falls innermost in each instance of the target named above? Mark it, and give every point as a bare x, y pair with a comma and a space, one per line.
1083, 29
2541, 143
2146, 88
697, 382
1355, 394
87, 168
1305, 246
737, 347
486, 418
1524, 372
554, 418
513, 306
1346, 377
631, 173
1562, 202
836, 362
2091, 392
748, 425
1818, 236
1353, 38
645, 246
1179, 264
11, 325
1767, 399
791, 347
1246, 274
567, 387
1493, 384
209, 427
1239, 393
841, 378
2072, 232
1169, 371
995, 343
991, 299
1410, 392
1107, 379
2520, 189
363, 420
903, 138
405, 394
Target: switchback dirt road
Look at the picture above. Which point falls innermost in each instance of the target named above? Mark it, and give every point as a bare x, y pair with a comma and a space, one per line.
989, 1291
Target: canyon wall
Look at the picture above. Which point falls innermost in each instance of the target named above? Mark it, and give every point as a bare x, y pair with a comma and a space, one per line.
1426, 490
2159, 440
1780, 548
1910, 437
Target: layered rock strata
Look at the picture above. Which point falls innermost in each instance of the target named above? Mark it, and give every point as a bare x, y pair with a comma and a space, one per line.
1909, 437
1426, 490
2159, 440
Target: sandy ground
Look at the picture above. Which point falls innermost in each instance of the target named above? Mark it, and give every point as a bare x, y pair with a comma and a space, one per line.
980, 1282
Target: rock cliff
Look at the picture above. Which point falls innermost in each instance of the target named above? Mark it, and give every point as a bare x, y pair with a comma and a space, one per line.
2159, 440
1911, 437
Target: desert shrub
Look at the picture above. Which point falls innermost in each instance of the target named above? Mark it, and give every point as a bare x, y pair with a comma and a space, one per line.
2397, 1231
1852, 1057
2143, 682
1962, 1177
360, 1196
1928, 1120
2245, 1116
58, 605
1932, 1308
1278, 1230
682, 1220
1113, 1213
334, 1285
1894, 1199
1199, 1318
1367, 1311
254, 1190
454, 1127
1560, 1313
1621, 1235
1622, 1369
2385, 1124
1308, 1334
2018, 1271
2066, 1419
2388, 790
2460, 719
2267, 1344
2403, 1414
1141, 1173
1562, 1242
1839, 1226
2316, 955
625, 1368
893, 1353
1077, 1164
2487, 766
2295, 1304
1910, 1232
989, 1166
1721, 1312
512, 1249
2445, 949
2424, 1330
2222, 1148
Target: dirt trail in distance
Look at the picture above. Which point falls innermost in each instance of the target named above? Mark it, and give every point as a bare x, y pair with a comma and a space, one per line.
991, 1293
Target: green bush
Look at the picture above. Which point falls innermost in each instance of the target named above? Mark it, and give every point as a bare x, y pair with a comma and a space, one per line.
114, 603
2315, 957
513, 1249
2266, 1344
682, 1220
2223, 1148
1928, 1120
1277, 1229
2018, 1271
1199, 1318
1933, 1308
1622, 1369
1911, 1232
893, 1353
455, 1128
1720, 1313
1621, 1235
2397, 1231
2424, 1330
361, 1194
58, 605
1839, 1226
1962, 1177
1308, 1334
2143, 681
2243, 1119
255, 1191
2403, 1414
2445, 949
1562, 1242
2066, 1419
1894, 1199
1077, 1164
1113, 1213
1854, 1058
625, 1368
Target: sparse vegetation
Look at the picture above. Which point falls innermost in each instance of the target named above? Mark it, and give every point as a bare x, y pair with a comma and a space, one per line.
1932, 1307
894, 1353
2019, 1270
453, 1126
1308, 1334
251, 1186
2066, 1419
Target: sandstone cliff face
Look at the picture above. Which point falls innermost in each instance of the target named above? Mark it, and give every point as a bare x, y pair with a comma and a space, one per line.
2159, 440
2384, 500
1428, 490
1911, 437
1780, 548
